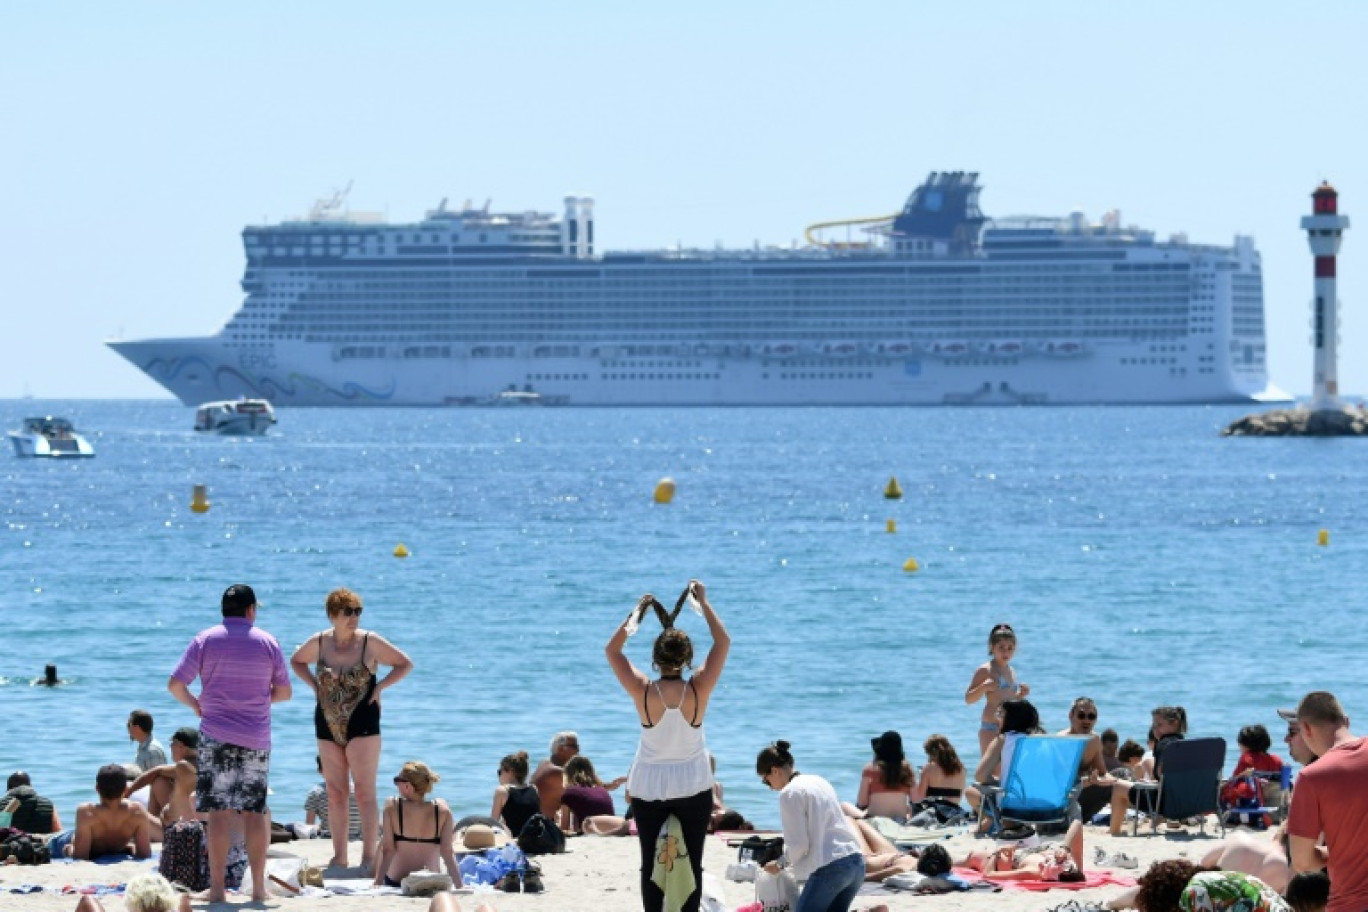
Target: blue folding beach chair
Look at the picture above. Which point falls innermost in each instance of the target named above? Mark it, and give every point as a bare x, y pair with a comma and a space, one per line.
1038, 786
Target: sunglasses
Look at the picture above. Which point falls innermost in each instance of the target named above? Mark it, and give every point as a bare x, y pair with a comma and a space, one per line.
351, 612
400, 780
1086, 717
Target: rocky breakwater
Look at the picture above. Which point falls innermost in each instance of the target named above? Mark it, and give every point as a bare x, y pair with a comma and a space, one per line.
1302, 422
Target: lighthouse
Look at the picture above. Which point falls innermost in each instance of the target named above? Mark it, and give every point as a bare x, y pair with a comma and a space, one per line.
1323, 228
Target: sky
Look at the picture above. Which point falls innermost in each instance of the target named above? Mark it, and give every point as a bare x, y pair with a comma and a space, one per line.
139, 138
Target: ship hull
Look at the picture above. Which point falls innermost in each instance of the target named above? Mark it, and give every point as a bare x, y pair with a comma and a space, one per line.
305, 374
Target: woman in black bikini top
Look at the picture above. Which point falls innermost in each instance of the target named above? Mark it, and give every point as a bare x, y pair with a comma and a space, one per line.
402, 853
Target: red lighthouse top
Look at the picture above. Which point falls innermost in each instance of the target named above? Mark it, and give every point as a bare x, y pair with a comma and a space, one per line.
1325, 200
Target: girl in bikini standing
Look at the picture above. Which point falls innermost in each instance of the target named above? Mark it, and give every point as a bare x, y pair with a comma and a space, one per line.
347, 718
994, 681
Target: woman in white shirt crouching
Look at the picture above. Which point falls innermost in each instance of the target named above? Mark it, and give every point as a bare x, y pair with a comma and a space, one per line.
819, 845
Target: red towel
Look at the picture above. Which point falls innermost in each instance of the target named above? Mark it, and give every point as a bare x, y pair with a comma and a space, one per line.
1094, 878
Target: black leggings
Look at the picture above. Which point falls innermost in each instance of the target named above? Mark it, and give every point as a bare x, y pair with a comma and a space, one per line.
693, 813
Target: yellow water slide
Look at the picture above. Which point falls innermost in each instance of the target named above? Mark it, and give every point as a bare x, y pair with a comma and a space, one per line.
813, 231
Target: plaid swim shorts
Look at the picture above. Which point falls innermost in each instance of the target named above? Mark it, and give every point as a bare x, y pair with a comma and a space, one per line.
231, 778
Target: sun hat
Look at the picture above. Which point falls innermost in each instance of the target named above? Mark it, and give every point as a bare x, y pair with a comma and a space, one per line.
479, 836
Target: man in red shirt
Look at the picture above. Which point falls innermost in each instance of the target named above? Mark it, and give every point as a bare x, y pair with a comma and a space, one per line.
1331, 800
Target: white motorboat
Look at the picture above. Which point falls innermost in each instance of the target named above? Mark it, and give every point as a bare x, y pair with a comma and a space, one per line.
49, 436
235, 417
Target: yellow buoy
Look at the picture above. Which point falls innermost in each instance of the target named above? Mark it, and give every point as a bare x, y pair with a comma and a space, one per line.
890, 527
400, 550
893, 491
1323, 537
199, 500
664, 490
911, 565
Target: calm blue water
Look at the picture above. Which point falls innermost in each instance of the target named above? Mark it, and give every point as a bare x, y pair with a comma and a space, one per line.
1142, 559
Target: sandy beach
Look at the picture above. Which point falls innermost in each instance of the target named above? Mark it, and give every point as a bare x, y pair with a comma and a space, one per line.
600, 874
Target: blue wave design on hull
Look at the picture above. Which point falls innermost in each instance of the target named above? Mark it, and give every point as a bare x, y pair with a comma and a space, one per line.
167, 370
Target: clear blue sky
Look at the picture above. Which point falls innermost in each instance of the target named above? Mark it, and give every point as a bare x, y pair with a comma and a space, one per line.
139, 138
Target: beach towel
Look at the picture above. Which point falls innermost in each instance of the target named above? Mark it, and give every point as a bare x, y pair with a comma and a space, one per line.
1092, 879
672, 872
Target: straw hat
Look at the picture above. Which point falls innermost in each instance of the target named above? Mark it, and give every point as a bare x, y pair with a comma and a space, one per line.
478, 837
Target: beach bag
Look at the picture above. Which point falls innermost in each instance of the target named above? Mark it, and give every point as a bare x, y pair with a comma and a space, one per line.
282, 876
541, 836
760, 849
25, 850
776, 892
185, 855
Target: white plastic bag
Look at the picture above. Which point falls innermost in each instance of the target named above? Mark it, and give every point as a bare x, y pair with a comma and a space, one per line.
282, 876
776, 892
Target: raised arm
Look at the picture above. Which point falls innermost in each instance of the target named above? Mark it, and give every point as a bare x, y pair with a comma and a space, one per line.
387, 653
629, 676
705, 678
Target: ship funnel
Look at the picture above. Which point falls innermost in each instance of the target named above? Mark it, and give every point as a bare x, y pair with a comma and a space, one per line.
570, 226
586, 211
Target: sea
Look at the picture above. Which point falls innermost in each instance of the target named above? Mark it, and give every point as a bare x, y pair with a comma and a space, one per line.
1142, 559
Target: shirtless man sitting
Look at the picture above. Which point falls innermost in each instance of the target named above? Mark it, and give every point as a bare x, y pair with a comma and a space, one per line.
113, 826
172, 787
549, 777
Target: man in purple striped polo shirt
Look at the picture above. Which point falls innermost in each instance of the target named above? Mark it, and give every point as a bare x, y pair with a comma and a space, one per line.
242, 672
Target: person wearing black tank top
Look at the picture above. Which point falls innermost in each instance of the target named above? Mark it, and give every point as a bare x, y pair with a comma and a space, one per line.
417, 831
514, 800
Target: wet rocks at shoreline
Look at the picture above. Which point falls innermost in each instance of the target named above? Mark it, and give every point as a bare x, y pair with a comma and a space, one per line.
1301, 422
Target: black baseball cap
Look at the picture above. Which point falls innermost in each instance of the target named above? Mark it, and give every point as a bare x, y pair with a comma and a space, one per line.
188, 736
239, 596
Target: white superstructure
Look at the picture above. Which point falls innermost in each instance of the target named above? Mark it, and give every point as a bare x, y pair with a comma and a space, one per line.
937, 306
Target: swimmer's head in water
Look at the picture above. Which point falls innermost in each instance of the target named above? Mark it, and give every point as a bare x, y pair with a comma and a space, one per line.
673, 651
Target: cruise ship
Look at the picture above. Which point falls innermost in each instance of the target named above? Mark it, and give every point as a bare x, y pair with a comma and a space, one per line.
934, 304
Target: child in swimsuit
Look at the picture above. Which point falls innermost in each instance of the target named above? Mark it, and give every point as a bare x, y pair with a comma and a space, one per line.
994, 681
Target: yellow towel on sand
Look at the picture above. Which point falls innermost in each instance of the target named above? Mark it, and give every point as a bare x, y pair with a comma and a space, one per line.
672, 872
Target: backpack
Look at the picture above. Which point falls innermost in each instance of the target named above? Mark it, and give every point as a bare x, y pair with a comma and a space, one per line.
26, 850
541, 836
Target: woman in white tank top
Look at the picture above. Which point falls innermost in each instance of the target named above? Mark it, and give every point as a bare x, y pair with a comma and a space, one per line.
671, 773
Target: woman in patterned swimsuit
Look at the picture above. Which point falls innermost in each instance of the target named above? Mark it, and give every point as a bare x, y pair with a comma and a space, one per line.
347, 718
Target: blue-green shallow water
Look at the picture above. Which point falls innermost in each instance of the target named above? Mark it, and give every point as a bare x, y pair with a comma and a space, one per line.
1142, 558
